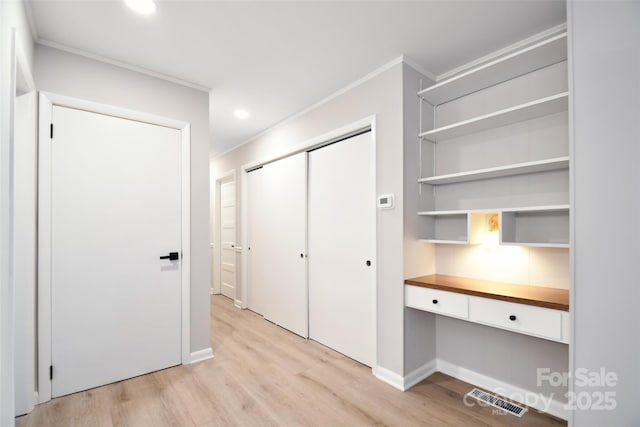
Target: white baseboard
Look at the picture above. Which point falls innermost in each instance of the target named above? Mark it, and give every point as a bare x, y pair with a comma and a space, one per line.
420, 373
409, 380
541, 403
201, 355
237, 303
517, 394
389, 377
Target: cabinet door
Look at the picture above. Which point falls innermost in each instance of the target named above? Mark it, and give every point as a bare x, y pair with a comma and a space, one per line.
283, 252
342, 247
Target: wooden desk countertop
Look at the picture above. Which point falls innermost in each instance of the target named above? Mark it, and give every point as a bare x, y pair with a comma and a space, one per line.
540, 296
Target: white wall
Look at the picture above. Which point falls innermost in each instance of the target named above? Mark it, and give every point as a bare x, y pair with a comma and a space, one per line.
72, 75
382, 96
419, 259
13, 26
25, 249
605, 65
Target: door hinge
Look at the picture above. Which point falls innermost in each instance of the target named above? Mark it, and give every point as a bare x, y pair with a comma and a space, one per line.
50, 372
51, 131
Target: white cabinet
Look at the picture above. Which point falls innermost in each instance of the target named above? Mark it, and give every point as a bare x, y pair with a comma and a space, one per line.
541, 322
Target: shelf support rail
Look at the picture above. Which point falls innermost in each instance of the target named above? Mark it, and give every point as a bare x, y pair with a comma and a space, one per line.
420, 139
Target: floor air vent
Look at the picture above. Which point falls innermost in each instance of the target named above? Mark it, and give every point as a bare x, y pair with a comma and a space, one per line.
497, 402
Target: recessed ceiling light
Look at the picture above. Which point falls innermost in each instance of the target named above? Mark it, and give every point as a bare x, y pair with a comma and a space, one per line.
143, 7
241, 114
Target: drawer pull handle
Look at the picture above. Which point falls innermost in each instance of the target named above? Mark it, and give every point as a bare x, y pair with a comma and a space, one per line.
512, 317
435, 301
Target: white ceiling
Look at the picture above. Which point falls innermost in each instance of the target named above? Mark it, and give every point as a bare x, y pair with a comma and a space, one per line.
277, 58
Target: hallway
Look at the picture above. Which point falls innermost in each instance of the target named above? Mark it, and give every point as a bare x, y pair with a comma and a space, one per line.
262, 375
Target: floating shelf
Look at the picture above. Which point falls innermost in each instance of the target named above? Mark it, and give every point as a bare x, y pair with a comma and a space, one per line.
436, 213
546, 208
518, 209
527, 111
500, 171
445, 242
534, 57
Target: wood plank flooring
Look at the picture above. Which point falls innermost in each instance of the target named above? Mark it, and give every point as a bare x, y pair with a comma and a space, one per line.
263, 375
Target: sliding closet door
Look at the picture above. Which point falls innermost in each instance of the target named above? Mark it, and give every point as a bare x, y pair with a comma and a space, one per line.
257, 245
281, 248
342, 247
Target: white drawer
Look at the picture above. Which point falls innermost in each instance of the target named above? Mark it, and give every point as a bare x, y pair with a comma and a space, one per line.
526, 319
440, 302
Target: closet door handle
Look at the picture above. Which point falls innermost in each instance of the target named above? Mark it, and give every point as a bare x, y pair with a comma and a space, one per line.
368, 263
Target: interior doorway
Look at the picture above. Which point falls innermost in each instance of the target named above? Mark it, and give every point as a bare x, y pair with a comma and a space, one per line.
113, 244
225, 249
228, 239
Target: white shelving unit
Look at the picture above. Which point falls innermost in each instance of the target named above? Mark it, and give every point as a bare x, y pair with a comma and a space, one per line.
536, 226
456, 227
500, 171
540, 226
534, 57
519, 113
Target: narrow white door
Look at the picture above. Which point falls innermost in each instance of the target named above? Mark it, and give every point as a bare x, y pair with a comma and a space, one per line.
342, 247
257, 244
228, 239
284, 188
116, 210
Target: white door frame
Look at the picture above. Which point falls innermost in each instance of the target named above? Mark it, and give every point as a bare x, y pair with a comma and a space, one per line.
18, 76
334, 135
217, 239
47, 101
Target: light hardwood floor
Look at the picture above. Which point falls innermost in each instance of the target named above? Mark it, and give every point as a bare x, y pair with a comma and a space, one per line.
263, 375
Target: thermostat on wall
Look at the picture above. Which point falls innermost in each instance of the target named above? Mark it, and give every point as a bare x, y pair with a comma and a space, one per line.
386, 201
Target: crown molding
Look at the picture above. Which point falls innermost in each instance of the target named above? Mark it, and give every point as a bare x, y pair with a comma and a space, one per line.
120, 64
504, 51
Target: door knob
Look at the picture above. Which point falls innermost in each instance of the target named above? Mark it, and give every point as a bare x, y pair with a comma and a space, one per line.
172, 256
368, 263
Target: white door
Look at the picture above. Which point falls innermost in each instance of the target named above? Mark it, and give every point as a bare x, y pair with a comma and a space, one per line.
256, 243
228, 239
284, 272
116, 210
342, 247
